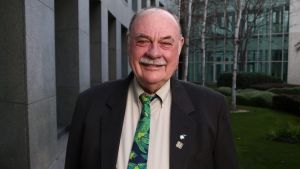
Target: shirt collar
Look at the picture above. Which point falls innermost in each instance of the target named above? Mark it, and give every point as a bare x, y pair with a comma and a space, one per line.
162, 93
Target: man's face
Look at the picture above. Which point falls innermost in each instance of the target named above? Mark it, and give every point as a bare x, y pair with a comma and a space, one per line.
155, 43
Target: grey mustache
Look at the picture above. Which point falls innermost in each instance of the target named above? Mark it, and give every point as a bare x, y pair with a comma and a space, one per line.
156, 62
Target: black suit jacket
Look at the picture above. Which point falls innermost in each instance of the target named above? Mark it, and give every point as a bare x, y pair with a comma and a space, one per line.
197, 112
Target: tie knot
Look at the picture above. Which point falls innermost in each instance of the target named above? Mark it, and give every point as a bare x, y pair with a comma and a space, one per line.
145, 99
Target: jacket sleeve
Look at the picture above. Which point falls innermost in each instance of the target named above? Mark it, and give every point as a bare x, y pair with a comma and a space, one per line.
73, 153
224, 152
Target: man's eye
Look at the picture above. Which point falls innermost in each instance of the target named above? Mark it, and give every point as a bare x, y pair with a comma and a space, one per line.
166, 44
142, 42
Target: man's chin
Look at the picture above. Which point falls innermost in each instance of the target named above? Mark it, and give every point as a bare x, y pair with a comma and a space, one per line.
154, 81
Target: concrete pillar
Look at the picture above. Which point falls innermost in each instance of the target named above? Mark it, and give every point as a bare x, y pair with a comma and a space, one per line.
84, 44
152, 2
95, 38
124, 56
72, 55
129, 4
112, 67
135, 6
27, 85
104, 44
139, 5
294, 43
118, 50
144, 4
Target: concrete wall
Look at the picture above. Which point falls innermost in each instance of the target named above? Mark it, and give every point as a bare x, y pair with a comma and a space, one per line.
294, 43
72, 55
122, 13
95, 42
27, 85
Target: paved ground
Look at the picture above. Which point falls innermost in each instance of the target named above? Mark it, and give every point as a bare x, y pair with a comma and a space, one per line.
60, 160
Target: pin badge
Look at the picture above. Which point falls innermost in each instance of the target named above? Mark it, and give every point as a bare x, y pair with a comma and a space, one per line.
179, 144
182, 136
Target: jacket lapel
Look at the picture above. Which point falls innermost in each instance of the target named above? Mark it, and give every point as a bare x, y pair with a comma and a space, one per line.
182, 126
111, 125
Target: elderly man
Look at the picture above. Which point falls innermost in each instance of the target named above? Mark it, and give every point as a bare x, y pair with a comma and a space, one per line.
151, 120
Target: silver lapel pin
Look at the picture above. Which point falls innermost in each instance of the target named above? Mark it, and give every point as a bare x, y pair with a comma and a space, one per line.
182, 136
179, 144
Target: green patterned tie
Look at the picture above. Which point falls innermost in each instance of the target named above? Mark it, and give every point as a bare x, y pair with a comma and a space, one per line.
139, 152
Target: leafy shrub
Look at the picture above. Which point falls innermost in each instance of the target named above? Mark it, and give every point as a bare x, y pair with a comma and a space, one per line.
246, 80
225, 79
287, 102
254, 97
293, 90
224, 90
266, 86
289, 133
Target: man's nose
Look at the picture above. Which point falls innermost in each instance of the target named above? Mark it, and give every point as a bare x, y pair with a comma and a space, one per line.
154, 51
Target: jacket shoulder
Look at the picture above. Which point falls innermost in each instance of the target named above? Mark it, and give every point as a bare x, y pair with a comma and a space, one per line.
198, 91
105, 90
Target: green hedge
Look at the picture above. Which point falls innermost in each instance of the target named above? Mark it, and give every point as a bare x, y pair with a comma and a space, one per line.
293, 90
267, 86
246, 80
253, 97
224, 90
287, 102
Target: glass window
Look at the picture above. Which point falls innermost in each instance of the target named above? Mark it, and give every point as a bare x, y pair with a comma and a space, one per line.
152, 3
209, 56
228, 68
134, 5
219, 69
198, 74
251, 55
191, 71
144, 3
219, 56
276, 55
251, 67
285, 69
263, 55
231, 21
263, 67
229, 56
209, 72
286, 21
276, 69
285, 55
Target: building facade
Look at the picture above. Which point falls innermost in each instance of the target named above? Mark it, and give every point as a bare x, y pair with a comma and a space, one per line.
52, 50
294, 41
267, 47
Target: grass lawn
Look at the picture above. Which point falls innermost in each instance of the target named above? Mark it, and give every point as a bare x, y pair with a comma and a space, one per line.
257, 152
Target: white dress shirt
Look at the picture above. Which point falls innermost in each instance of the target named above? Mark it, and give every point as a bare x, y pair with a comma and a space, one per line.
158, 151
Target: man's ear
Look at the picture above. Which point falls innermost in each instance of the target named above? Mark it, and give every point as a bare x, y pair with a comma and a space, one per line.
181, 43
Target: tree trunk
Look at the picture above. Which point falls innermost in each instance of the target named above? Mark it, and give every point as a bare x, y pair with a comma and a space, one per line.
177, 72
203, 32
225, 35
236, 49
186, 28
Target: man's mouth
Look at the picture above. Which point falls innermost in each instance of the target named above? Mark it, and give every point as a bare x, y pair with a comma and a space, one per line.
152, 62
